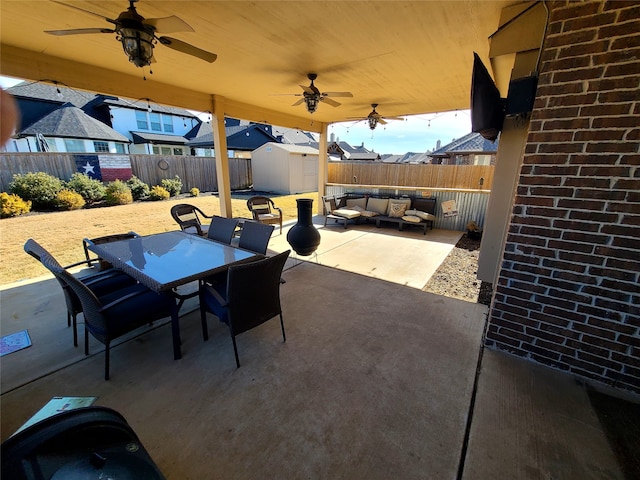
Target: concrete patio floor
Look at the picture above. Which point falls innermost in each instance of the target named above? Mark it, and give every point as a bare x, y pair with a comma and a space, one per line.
377, 379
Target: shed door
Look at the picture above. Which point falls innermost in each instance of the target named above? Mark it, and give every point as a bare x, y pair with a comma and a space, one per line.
310, 173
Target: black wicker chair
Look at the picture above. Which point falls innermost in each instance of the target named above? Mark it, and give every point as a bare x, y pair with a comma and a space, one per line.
114, 314
222, 229
249, 297
190, 217
100, 283
265, 211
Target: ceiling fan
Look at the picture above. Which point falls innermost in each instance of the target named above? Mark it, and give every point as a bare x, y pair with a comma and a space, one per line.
138, 35
311, 96
374, 118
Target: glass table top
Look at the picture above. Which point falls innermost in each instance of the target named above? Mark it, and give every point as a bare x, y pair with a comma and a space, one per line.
166, 260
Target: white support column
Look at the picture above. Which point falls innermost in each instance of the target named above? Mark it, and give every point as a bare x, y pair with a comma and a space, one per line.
221, 156
323, 162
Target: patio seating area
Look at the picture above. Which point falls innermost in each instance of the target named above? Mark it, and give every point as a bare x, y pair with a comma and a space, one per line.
377, 379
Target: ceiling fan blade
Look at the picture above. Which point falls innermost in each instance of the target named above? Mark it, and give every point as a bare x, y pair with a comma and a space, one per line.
307, 89
333, 103
337, 94
394, 118
187, 48
170, 24
79, 31
85, 11
381, 121
298, 102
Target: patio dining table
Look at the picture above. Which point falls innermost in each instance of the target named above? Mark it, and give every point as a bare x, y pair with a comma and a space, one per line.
165, 261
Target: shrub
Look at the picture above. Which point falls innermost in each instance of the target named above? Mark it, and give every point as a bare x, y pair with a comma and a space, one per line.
69, 200
90, 189
118, 193
40, 188
158, 193
173, 186
12, 205
139, 189
194, 192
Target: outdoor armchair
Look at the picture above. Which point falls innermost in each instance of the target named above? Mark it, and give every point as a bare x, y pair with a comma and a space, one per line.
249, 297
100, 283
190, 217
265, 211
114, 314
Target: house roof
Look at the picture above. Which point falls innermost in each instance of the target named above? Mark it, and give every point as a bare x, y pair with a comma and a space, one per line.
470, 143
60, 94
239, 137
157, 138
71, 122
293, 148
364, 156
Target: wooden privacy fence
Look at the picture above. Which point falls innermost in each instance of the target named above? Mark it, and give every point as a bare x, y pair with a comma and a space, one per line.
199, 172
370, 174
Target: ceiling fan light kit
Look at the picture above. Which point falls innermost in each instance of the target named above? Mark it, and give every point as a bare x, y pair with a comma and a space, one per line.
138, 35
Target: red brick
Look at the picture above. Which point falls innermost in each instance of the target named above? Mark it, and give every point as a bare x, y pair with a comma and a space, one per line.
626, 42
629, 159
620, 29
560, 148
575, 225
614, 252
623, 207
537, 221
578, 74
609, 110
589, 21
593, 135
570, 246
617, 56
619, 4
601, 194
605, 171
574, 10
535, 180
627, 184
570, 38
550, 136
584, 49
608, 147
597, 206
613, 122
557, 113
623, 69
588, 182
568, 124
547, 212
566, 266
616, 275
629, 13
633, 135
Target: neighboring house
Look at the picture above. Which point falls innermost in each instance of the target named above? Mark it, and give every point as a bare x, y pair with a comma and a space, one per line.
69, 129
242, 139
472, 149
365, 156
60, 119
295, 136
409, 157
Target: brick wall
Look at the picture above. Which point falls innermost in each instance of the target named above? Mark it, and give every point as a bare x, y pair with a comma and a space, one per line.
568, 293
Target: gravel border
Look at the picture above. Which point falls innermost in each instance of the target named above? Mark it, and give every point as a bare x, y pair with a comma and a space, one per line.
456, 276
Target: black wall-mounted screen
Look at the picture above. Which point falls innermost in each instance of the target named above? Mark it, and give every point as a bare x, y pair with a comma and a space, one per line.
487, 108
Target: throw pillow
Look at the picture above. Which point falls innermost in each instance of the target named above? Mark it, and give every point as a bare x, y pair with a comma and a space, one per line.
425, 215
404, 201
411, 218
396, 210
369, 213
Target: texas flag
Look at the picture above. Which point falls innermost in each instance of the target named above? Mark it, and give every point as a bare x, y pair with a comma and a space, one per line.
106, 168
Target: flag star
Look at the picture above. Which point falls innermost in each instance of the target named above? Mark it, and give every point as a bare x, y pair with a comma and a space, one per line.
88, 168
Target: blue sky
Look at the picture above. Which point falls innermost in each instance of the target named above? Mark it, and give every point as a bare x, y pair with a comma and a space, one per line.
418, 133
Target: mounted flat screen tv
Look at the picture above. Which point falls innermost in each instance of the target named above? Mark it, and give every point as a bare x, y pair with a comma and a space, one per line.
487, 108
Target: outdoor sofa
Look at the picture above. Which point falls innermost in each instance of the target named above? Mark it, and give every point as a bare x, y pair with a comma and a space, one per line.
400, 211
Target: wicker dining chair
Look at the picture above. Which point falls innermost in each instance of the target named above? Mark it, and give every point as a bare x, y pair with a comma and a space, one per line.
190, 218
265, 211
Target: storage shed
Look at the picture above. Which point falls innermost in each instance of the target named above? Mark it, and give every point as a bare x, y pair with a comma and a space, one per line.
285, 168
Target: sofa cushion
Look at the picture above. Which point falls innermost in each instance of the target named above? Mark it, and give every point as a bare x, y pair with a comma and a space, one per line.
365, 213
422, 215
346, 213
379, 205
411, 218
360, 202
396, 210
401, 201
